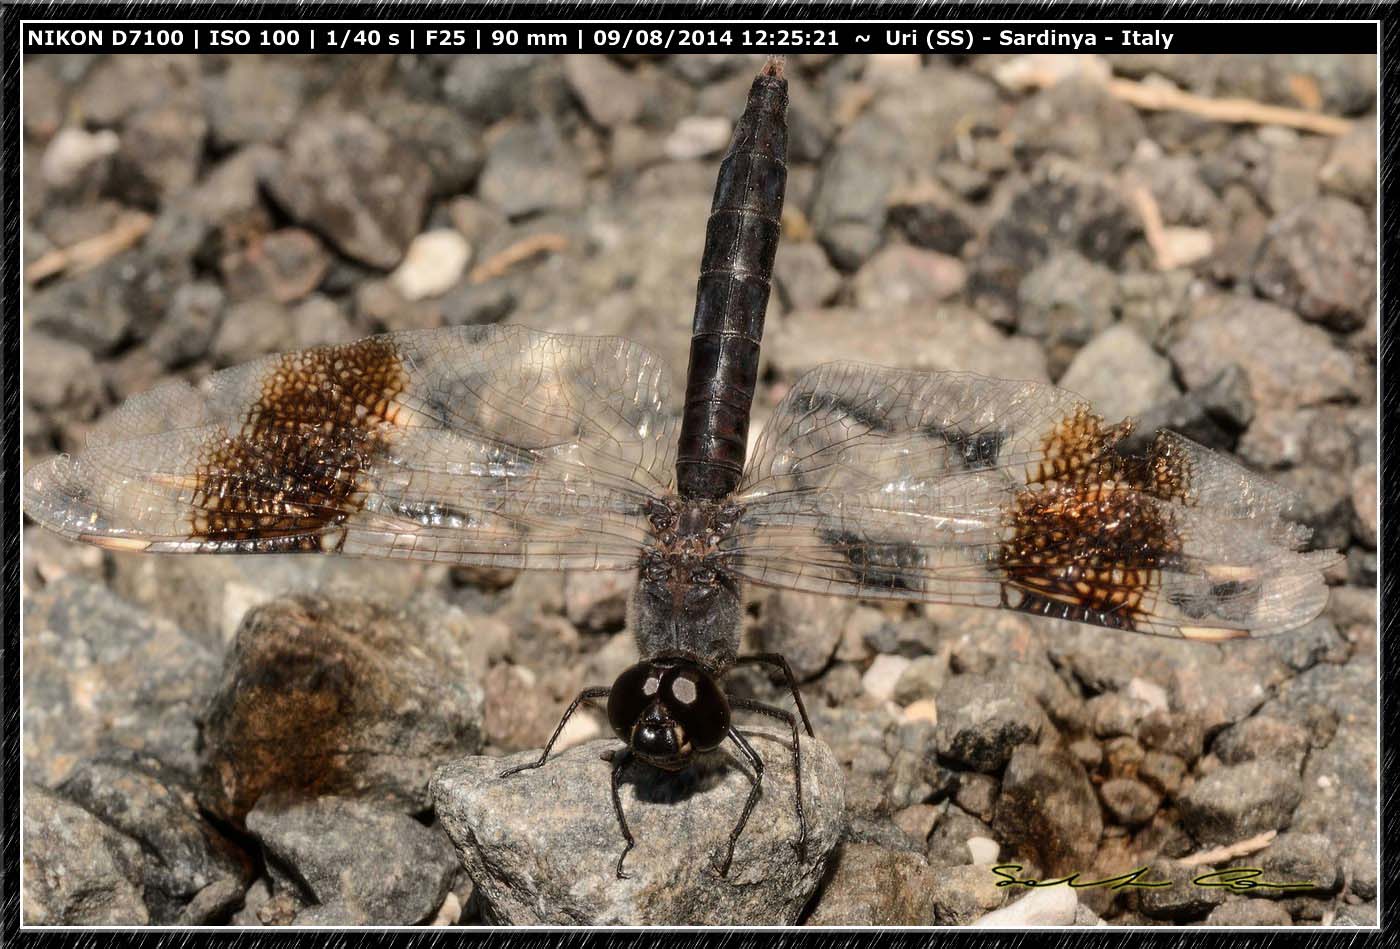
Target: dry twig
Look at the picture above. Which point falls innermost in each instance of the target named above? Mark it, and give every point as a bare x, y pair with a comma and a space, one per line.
123, 235
1242, 848
522, 250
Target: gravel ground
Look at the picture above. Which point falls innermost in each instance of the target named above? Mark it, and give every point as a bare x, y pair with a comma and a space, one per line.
274, 740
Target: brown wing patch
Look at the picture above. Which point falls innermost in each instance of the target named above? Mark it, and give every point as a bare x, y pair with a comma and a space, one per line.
1088, 536
1082, 450
292, 468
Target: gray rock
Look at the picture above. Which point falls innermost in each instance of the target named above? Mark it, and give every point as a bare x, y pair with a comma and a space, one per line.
1065, 302
446, 142
355, 863
542, 846
609, 95
1153, 303
1248, 912
964, 894
804, 276
90, 309
933, 218
77, 870
1212, 415
191, 320
1350, 169
1364, 505
1048, 811
319, 321
1298, 858
1077, 118
250, 329
848, 209
804, 629
1063, 206
872, 885
1181, 196
948, 844
161, 150
530, 169
1120, 374
977, 794
983, 720
1129, 802
1175, 733
1234, 802
1162, 772
60, 377
284, 266
1181, 901
253, 101
487, 88
923, 678
949, 338
1319, 260
902, 276
336, 696
1288, 363
185, 856
348, 179
101, 674
1261, 737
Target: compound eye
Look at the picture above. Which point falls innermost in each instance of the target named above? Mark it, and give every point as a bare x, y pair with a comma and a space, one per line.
694, 699
631, 693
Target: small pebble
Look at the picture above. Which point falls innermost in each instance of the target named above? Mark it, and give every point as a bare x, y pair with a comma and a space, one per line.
882, 676
434, 262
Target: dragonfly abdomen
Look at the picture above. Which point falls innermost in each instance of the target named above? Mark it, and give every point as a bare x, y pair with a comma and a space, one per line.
736, 272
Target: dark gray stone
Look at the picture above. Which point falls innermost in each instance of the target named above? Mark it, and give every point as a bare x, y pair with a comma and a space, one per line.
1048, 811
804, 276
1288, 363
1120, 374
530, 169
439, 136
983, 720
848, 209
803, 629
963, 894
542, 845
354, 863
1319, 260
1237, 911
186, 858
1235, 802
1129, 802
1183, 900
253, 101
336, 696
872, 885
78, 871
348, 179
101, 674
1077, 118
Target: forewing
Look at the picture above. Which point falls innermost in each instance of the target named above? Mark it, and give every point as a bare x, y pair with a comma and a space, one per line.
495, 446
955, 488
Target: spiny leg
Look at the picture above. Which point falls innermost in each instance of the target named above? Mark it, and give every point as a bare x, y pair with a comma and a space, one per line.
785, 716
620, 759
776, 659
754, 792
596, 692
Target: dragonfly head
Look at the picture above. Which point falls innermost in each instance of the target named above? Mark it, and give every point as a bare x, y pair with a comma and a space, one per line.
667, 710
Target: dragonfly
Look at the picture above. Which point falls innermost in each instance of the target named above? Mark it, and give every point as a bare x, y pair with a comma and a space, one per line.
506, 447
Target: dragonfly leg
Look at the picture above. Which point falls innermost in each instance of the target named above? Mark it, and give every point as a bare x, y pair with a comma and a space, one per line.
754, 792
620, 760
777, 660
787, 717
596, 692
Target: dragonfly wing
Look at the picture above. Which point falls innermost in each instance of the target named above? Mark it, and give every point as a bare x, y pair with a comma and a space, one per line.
495, 446
955, 488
